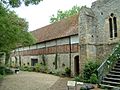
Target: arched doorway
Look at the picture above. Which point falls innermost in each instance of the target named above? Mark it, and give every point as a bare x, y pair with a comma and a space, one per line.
76, 65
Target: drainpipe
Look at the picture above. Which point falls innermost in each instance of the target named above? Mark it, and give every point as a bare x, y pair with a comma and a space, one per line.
56, 56
70, 51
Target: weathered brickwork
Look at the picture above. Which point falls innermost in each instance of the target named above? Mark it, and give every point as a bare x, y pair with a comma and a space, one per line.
50, 50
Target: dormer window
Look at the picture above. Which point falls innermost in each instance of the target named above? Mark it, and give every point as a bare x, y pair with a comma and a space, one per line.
113, 26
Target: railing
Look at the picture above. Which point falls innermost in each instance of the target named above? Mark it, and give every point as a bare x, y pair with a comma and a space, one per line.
106, 66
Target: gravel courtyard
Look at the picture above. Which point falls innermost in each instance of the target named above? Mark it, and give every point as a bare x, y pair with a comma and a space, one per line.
28, 81
35, 81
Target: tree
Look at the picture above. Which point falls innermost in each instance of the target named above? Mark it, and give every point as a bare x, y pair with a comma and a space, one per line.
17, 3
64, 14
13, 31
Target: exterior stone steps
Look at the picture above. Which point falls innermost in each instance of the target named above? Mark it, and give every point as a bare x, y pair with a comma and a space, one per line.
116, 69
118, 61
116, 66
113, 75
111, 83
115, 72
112, 79
110, 86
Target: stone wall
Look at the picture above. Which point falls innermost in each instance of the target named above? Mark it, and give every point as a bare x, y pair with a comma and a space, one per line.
94, 30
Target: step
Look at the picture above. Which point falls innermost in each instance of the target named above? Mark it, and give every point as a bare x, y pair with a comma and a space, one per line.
116, 69
113, 75
118, 61
115, 72
112, 79
116, 66
110, 83
110, 86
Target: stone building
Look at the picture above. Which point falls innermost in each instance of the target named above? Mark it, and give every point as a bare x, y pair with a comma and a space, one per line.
92, 34
99, 29
57, 46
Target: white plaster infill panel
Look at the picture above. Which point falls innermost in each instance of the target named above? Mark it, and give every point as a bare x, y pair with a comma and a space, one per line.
41, 45
51, 43
26, 48
74, 39
63, 41
33, 47
20, 49
34, 57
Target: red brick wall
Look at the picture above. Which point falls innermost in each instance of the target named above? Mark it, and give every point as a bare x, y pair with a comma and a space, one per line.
50, 50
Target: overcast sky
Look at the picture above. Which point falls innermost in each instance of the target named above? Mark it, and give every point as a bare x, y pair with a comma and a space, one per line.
39, 15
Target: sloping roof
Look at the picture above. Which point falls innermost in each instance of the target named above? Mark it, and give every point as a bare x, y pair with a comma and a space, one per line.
63, 28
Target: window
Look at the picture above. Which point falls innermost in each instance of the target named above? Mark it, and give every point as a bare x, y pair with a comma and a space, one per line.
113, 26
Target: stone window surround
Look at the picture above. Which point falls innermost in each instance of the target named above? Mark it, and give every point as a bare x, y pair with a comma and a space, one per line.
113, 26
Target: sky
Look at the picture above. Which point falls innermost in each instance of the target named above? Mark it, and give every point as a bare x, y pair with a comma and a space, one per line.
39, 15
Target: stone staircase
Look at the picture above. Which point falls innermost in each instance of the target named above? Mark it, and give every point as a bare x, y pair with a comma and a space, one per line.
112, 79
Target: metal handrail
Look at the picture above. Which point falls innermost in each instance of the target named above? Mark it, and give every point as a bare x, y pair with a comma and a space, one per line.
108, 63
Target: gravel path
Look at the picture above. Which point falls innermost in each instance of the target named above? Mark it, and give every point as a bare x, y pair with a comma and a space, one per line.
61, 84
28, 81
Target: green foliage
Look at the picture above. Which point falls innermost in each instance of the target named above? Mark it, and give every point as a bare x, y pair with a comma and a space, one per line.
77, 78
2, 70
64, 14
89, 69
27, 68
30, 69
24, 68
93, 79
109, 62
37, 67
67, 71
1, 77
17, 3
5, 71
40, 67
57, 73
89, 73
13, 31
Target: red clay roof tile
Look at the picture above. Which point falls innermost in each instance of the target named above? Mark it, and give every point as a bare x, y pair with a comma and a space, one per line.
63, 28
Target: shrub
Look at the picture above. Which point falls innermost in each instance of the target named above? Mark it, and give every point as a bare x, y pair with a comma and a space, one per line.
30, 69
93, 79
24, 68
5, 70
44, 69
1, 77
2, 70
67, 71
77, 78
37, 67
8, 71
89, 69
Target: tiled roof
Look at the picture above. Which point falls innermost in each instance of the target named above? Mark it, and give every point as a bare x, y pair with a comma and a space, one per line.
63, 28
